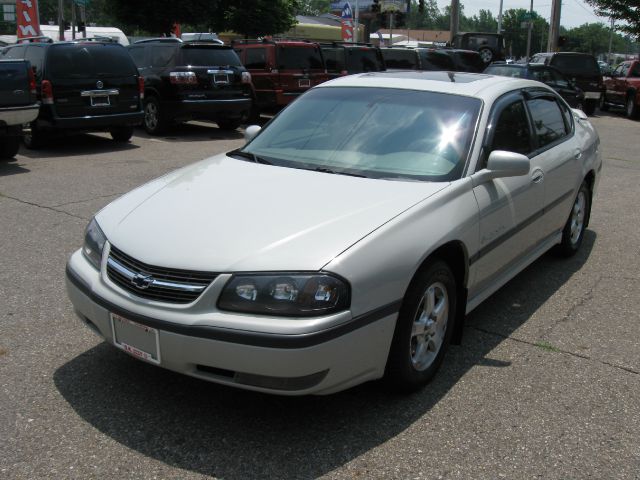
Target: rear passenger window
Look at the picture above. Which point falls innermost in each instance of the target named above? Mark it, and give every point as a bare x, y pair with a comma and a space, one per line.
512, 131
256, 58
137, 53
548, 120
35, 55
161, 56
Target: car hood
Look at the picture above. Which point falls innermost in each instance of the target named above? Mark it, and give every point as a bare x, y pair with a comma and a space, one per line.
226, 215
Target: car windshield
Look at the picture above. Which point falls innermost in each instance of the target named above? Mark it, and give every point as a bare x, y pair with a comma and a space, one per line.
209, 56
373, 132
576, 64
89, 61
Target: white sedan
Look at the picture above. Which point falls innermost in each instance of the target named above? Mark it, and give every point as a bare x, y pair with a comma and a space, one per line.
348, 239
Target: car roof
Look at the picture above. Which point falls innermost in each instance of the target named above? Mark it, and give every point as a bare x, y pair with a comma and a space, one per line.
486, 87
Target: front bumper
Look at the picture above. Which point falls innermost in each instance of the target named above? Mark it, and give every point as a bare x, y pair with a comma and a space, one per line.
199, 342
18, 115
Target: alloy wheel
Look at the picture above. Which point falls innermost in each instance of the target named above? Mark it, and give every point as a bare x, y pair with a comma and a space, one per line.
429, 326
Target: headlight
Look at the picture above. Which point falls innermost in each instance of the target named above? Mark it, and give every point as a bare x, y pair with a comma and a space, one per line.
94, 241
295, 295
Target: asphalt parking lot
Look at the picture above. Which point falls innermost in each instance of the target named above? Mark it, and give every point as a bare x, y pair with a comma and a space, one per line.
545, 384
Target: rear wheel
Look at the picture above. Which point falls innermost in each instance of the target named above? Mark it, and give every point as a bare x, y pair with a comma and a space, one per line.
577, 222
34, 138
9, 146
154, 120
121, 134
631, 109
228, 124
423, 329
589, 107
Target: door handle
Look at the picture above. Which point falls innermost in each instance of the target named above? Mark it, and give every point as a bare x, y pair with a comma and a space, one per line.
578, 154
537, 176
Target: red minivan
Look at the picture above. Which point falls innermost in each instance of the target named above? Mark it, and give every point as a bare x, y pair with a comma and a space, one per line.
281, 70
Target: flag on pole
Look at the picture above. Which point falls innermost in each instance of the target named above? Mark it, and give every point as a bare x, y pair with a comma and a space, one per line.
347, 23
27, 22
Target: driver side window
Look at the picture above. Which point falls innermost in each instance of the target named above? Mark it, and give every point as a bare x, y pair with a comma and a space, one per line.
512, 132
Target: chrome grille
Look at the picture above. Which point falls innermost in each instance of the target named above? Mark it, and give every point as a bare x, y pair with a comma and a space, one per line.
156, 283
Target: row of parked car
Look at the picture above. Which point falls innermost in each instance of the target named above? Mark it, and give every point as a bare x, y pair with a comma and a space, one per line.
98, 85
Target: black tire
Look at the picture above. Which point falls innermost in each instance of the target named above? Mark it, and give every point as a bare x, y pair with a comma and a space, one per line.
228, 124
121, 134
35, 138
415, 357
486, 54
603, 106
573, 232
155, 122
590, 107
631, 109
9, 147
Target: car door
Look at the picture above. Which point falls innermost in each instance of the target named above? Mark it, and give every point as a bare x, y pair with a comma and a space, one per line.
509, 208
557, 154
619, 84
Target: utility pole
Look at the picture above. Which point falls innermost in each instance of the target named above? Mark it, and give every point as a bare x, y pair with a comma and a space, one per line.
356, 33
73, 20
60, 20
554, 26
455, 18
500, 17
529, 31
610, 42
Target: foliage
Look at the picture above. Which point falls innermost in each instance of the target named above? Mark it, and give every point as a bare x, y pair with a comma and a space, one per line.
256, 18
313, 7
593, 38
627, 11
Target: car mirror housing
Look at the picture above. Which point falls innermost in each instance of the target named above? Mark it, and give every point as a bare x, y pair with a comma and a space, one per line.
507, 164
251, 132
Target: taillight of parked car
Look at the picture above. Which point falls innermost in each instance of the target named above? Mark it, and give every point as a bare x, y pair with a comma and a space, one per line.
183, 78
32, 82
246, 77
47, 92
141, 87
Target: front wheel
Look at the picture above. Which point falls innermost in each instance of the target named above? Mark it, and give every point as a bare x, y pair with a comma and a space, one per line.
423, 329
573, 232
121, 134
631, 108
9, 147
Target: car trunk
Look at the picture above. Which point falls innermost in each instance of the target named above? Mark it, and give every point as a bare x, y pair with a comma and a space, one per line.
14, 81
300, 67
92, 79
218, 73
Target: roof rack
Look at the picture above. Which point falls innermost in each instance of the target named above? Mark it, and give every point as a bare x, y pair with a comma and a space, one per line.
211, 41
271, 40
94, 39
38, 39
160, 39
337, 43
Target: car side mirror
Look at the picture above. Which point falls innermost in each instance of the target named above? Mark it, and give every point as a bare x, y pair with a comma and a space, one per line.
502, 164
251, 131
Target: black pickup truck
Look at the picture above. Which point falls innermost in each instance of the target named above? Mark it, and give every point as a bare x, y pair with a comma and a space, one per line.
18, 103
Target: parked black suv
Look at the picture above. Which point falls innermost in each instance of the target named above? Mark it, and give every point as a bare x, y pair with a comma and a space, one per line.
490, 46
582, 69
82, 86
192, 80
404, 58
348, 58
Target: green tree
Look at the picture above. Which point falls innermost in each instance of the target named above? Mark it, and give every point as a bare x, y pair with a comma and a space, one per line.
484, 21
424, 18
313, 7
516, 32
256, 18
627, 11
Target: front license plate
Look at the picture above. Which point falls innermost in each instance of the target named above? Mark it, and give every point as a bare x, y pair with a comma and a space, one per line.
305, 83
136, 339
101, 101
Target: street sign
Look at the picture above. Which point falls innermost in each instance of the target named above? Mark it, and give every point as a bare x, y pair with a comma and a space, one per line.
347, 23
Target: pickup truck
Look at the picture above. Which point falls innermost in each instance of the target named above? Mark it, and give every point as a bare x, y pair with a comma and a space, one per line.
622, 88
18, 104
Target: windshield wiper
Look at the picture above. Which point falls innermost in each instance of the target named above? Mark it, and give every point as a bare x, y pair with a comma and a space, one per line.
335, 172
251, 156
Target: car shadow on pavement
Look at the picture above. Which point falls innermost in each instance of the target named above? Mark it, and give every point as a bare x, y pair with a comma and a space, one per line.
199, 131
234, 434
9, 167
78, 145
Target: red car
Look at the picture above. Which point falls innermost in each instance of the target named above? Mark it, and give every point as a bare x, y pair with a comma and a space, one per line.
622, 88
281, 70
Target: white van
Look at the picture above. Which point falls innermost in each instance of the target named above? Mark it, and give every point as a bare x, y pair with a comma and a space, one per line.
113, 33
